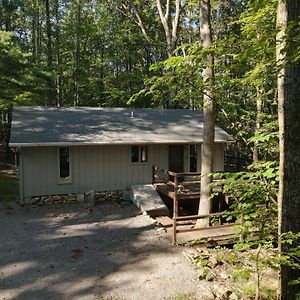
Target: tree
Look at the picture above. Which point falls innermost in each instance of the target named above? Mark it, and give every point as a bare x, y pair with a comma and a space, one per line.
12, 69
288, 83
170, 32
208, 111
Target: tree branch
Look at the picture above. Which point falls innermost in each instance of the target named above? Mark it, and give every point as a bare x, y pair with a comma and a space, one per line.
175, 22
167, 10
134, 16
163, 18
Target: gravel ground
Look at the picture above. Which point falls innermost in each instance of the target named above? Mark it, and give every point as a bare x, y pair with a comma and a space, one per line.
65, 251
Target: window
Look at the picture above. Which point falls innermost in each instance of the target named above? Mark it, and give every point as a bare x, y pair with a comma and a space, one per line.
139, 154
144, 153
134, 154
64, 165
193, 158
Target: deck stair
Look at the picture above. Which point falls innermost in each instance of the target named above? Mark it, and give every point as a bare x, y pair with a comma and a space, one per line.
146, 198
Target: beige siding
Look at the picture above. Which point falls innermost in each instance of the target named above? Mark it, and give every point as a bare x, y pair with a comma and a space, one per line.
99, 168
218, 157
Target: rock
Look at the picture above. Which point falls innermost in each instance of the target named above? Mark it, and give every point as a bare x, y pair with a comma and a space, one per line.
223, 293
206, 274
203, 274
89, 199
208, 296
213, 262
80, 197
48, 200
223, 275
233, 296
35, 200
210, 276
203, 250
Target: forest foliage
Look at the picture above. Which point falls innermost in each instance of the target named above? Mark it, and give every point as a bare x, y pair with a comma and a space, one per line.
115, 53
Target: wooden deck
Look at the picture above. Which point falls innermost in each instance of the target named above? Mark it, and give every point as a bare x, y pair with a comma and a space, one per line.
217, 235
181, 188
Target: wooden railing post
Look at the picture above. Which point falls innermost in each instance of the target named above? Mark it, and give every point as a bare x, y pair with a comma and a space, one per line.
175, 208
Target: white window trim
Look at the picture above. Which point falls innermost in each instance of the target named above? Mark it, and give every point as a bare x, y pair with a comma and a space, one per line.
139, 162
70, 179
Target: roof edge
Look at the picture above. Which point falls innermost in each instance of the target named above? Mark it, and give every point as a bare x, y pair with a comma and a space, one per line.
64, 144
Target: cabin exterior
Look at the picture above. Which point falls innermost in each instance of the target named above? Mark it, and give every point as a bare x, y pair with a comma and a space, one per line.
74, 150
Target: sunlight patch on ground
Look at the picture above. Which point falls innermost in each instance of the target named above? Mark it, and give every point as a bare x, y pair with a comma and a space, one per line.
76, 287
16, 268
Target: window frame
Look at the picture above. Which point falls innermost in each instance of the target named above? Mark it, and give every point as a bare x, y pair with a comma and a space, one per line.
69, 179
140, 149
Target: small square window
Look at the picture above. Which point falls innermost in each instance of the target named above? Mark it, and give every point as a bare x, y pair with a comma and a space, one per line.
139, 154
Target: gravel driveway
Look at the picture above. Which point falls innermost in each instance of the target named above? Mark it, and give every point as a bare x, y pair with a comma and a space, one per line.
65, 251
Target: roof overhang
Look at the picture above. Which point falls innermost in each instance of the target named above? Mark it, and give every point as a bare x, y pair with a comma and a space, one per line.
62, 144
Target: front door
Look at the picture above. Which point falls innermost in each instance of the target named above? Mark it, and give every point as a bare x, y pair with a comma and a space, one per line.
176, 158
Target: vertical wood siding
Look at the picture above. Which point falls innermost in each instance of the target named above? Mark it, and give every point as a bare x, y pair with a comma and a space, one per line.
218, 164
218, 157
100, 168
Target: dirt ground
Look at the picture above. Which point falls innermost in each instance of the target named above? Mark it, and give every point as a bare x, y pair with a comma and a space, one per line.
65, 251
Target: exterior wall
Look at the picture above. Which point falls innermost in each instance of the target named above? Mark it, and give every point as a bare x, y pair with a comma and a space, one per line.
218, 157
99, 168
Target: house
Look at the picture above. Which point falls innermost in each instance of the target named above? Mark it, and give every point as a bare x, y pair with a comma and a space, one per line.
73, 150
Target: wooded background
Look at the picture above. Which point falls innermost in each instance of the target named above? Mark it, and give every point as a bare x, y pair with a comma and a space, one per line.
144, 54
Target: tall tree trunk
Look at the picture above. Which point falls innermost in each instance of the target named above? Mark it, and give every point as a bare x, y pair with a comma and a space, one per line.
49, 34
209, 113
58, 81
288, 83
52, 87
102, 77
77, 56
34, 31
39, 31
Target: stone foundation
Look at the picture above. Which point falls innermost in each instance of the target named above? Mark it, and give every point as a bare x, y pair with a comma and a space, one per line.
73, 198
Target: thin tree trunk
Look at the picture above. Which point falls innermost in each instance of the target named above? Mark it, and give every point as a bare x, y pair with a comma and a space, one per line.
288, 84
259, 111
39, 32
102, 86
58, 80
209, 114
49, 34
34, 31
77, 57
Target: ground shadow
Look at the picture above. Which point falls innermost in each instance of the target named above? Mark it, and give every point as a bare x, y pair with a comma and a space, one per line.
52, 251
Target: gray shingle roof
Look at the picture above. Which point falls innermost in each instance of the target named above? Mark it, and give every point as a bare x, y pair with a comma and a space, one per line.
33, 126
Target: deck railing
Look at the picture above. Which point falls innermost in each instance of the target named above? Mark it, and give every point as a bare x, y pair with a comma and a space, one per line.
179, 182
